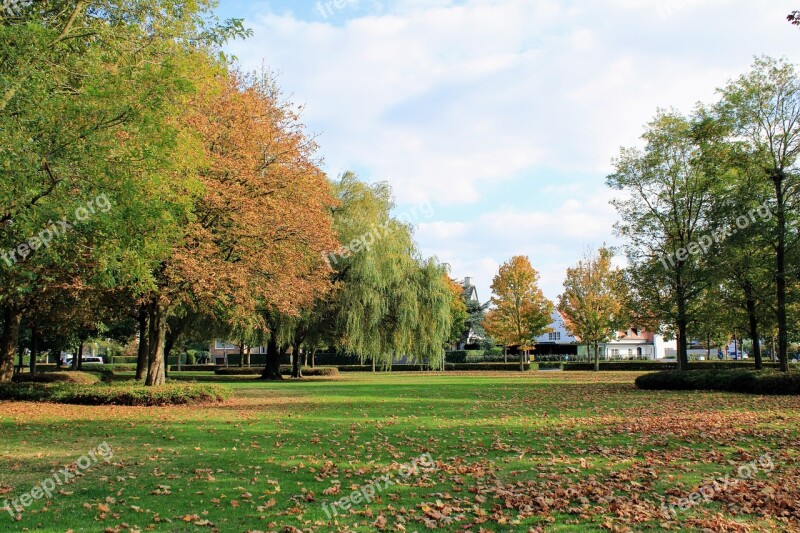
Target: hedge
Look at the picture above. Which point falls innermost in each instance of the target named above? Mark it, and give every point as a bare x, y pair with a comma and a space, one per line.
496, 367
195, 368
117, 394
123, 360
255, 371
645, 366
766, 382
546, 365
78, 378
462, 356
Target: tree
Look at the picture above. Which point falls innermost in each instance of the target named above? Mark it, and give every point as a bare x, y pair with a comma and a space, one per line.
387, 301
594, 303
794, 18
762, 108
499, 327
458, 310
112, 71
252, 243
520, 306
665, 216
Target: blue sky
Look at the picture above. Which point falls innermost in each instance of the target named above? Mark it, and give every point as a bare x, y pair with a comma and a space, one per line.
503, 116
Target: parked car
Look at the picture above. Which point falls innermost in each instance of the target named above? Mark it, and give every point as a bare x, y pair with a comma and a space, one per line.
66, 360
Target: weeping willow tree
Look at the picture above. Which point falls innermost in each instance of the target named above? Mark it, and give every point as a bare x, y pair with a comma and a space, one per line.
388, 301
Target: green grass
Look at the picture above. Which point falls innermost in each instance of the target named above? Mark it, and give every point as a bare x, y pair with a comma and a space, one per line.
562, 451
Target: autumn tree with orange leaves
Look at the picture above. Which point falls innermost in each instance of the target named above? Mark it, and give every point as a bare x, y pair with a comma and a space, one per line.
521, 311
253, 244
594, 302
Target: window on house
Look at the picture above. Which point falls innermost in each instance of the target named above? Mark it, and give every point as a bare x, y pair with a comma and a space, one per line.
614, 352
221, 345
554, 336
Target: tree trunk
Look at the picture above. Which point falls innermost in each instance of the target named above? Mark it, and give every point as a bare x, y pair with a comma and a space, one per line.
143, 354
505, 353
8, 345
156, 342
249, 351
272, 369
596, 357
297, 370
77, 359
55, 351
241, 354
34, 349
683, 347
754, 334
313, 356
522, 360
780, 274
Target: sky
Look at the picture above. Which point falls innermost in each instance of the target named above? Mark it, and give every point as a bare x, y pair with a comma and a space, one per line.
497, 122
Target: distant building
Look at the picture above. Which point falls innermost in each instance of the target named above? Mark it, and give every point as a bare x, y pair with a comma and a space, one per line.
470, 296
635, 343
558, 341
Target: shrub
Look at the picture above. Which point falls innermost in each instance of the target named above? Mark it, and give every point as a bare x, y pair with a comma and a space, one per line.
256, 371
195, 368
647, 366
555, 365
110, 369
321, 371
335, 359
740, 380
464, 356
508, 367
123, 360
395, 368
116, 394
493, 367
78, 378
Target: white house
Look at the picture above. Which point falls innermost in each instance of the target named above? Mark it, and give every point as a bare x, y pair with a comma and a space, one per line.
635, 344
559, 334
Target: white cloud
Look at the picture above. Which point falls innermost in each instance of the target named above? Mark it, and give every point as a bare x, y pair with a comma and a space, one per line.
450, 101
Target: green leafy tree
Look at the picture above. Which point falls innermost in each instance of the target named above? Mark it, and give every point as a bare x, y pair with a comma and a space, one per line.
106, 69
665, 213
762, 108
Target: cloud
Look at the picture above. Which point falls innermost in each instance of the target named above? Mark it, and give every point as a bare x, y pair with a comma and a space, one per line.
453, 102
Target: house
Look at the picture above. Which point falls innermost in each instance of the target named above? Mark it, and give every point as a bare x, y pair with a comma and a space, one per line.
635, 343
221, 350
558, 341
470, 297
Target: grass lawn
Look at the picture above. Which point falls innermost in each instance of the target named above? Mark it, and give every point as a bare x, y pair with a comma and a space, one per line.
554, 451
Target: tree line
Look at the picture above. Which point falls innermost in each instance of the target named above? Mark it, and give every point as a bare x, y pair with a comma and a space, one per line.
189, 197
709, 207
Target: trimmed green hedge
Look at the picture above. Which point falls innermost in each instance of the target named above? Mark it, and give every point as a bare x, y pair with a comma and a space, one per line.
463, 356
463, 367
196, 368
766, 382
255, 371
547, 365
494, 367
123, 360
78, 378
648, 366
93, 367
116, 394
